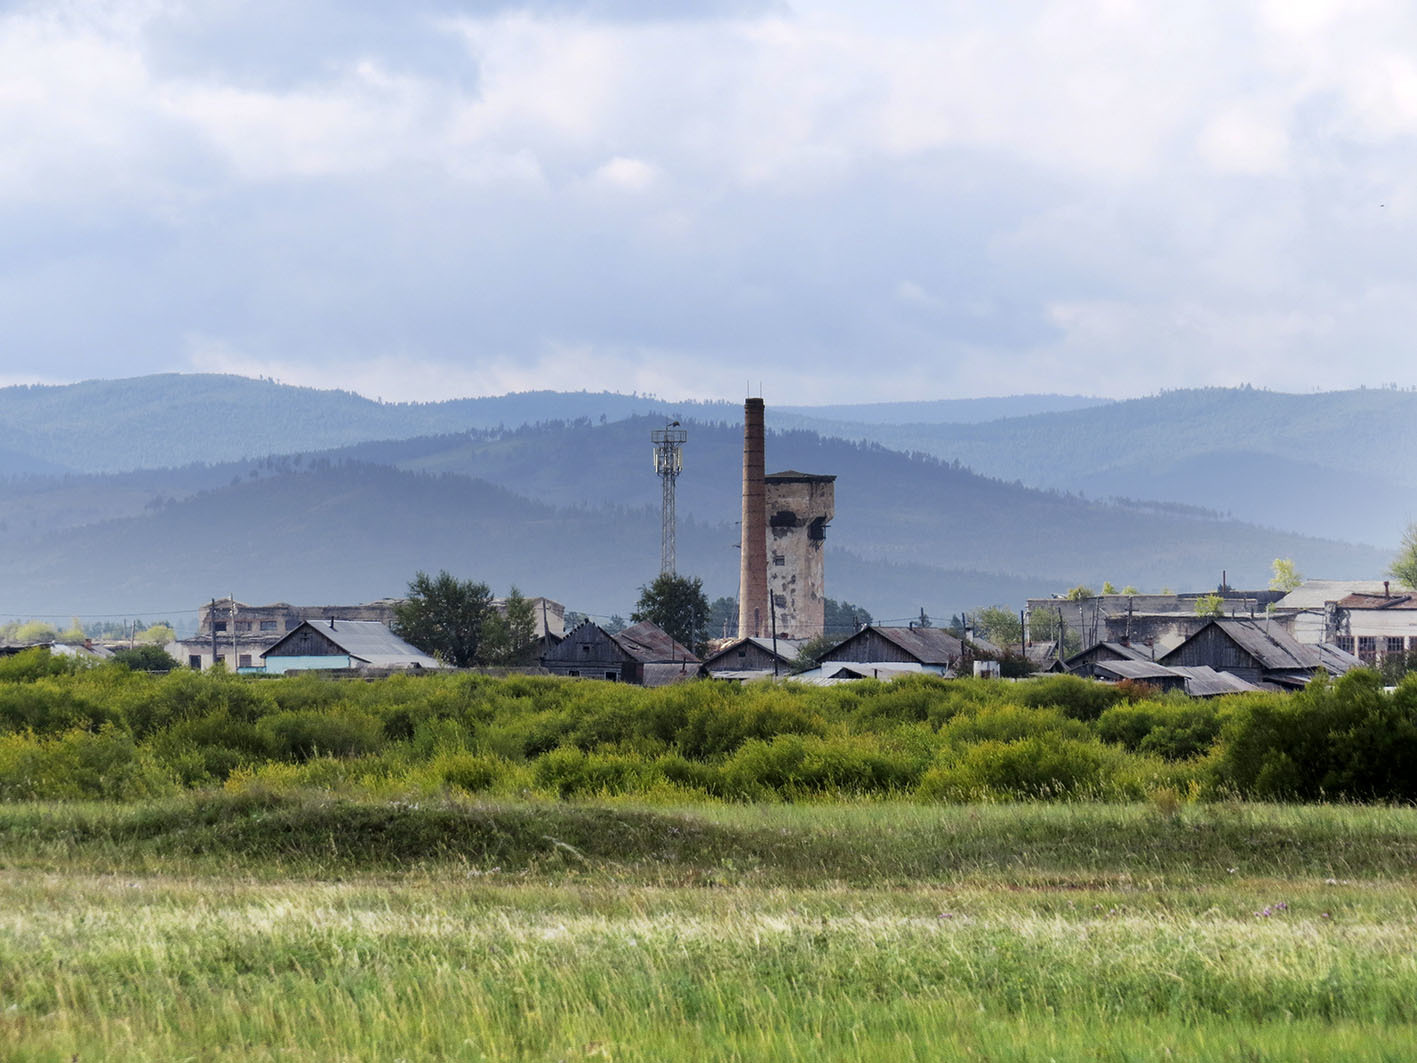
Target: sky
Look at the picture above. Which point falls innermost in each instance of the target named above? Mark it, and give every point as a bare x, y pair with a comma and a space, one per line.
816, 201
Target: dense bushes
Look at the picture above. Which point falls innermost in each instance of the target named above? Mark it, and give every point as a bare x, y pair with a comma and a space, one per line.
107, 732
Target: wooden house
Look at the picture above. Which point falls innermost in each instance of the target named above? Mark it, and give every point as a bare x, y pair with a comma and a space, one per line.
339, 644
1258, 652
643, 654
931, 649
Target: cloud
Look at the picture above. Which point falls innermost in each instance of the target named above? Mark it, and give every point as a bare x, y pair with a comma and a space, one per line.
838, 199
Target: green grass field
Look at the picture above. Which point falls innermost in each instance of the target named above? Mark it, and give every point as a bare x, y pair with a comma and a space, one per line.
311, 927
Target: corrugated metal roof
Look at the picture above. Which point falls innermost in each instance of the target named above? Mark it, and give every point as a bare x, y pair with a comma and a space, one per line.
1336, 660
1134, 669
368, 641
786, 648
648, 642
1202, 681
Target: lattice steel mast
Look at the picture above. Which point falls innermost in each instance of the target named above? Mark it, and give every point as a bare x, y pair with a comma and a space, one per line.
668, 463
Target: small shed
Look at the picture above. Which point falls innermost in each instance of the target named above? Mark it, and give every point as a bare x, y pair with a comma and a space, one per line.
337, 644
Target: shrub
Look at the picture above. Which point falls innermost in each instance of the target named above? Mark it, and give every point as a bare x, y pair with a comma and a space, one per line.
1080, 699
1030, 768
298, 736
1175, 730
78, 765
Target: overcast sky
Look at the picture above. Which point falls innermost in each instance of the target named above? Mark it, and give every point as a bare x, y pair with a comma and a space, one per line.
842, 201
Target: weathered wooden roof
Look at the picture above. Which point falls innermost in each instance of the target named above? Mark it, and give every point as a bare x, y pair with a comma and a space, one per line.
928, 645
1378, 601
648, 643
786, 649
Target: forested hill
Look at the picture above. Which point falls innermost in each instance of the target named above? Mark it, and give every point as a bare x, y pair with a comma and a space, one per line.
576, 505
1330, 464
178, 419
346, 531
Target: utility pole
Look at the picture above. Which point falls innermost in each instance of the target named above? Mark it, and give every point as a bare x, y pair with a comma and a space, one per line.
211, 622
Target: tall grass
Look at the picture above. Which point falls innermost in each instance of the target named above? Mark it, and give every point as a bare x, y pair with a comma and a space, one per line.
1060, 931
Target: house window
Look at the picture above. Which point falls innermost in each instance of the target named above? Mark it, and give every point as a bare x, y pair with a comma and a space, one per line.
194, 661
243, 625
1368, 648
610, 676
244, 661
1394, 644
220, 658
585, 648
268, 625
1345, 643
779, 560
219, 625
574, 672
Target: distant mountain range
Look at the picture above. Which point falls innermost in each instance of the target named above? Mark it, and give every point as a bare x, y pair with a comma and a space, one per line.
567, 506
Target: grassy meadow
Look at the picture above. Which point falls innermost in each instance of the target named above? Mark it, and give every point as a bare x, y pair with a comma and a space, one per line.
203, 867
311, 927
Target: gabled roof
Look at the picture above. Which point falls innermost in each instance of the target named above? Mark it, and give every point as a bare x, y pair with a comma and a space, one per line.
366, 641
786, 649
1273, 648
1314, 593
1202, 681
648, 643
928, 645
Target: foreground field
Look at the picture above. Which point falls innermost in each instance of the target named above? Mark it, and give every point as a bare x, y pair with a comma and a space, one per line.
312, 928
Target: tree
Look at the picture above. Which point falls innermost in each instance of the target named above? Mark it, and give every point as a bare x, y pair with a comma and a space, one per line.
811, 650
1210, 605
678, 605
444, 616
509, 632
1286, 577
1078, 593
1107, 587
1129, 589
1000, 626
723, 618
1404, 565
145, 658
842, 617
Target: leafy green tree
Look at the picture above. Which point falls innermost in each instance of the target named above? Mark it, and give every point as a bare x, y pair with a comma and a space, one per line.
1000, 626
1404, 565
811, 651
1079, 592
678, 605
444, 616
842, 618
1210, 605
1107, 587
1286, 577
1129, 589
34, 632
157, 635
146, 658
509, 632
723, 618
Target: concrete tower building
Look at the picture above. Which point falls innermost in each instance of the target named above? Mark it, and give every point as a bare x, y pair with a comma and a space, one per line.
799, 507
784, 530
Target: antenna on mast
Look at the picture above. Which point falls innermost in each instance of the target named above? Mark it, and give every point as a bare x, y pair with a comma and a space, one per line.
668, 463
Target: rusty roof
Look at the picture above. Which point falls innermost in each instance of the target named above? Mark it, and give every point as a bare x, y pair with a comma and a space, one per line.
649, 643
1378, 601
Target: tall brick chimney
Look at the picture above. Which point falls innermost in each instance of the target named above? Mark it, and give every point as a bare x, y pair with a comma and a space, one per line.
753, 616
